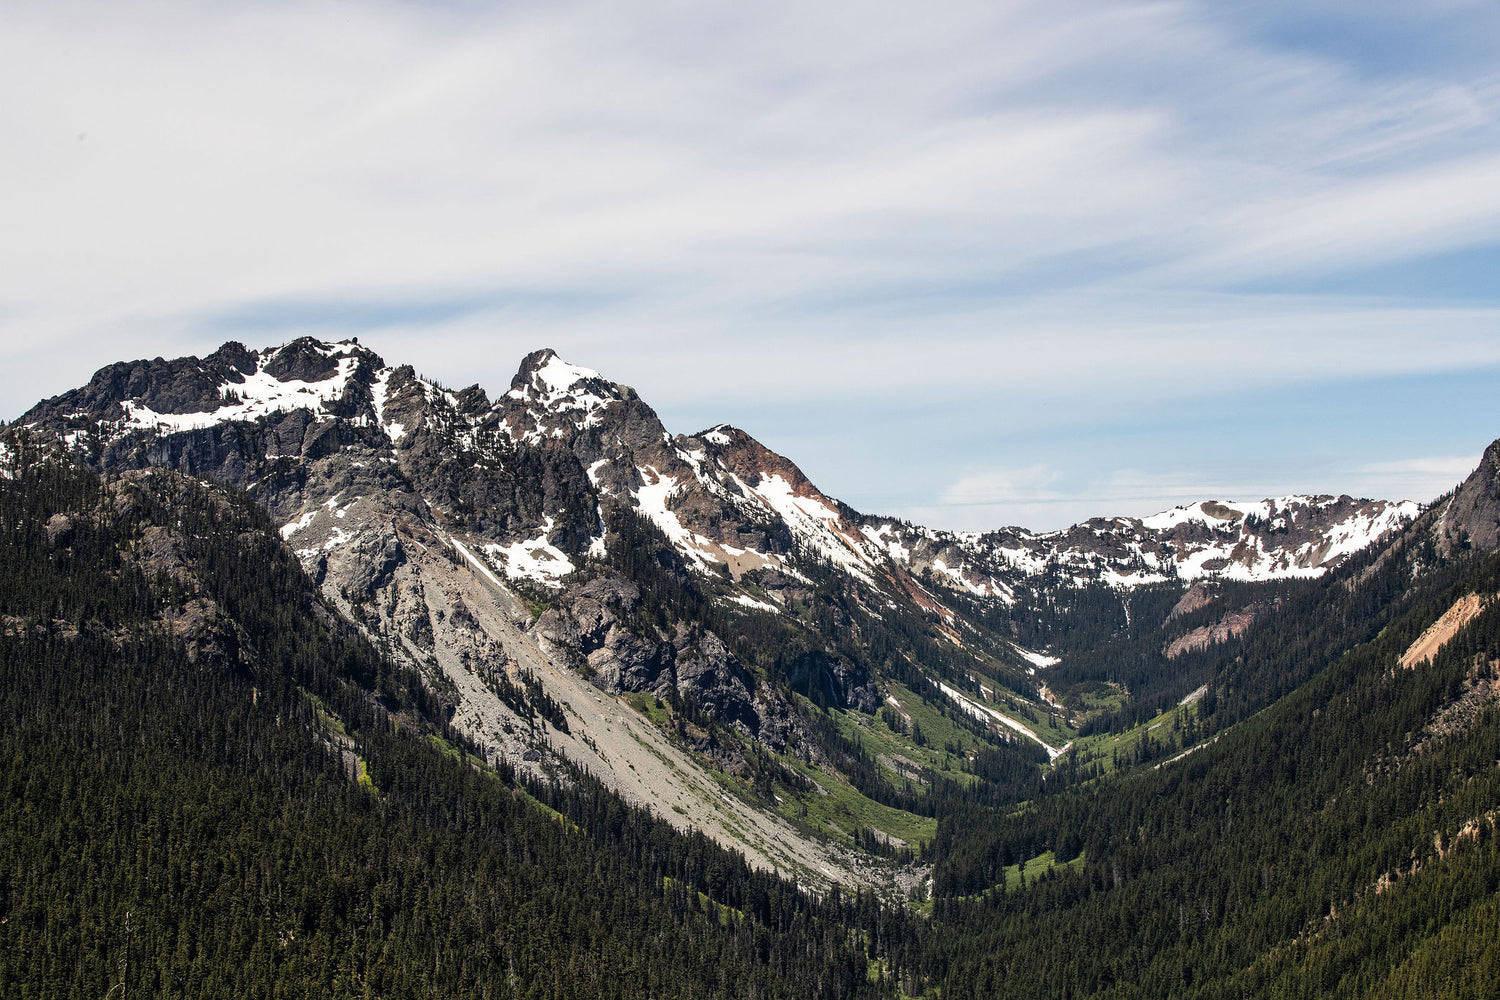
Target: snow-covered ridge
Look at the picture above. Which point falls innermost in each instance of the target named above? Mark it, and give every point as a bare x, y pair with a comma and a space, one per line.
813, 523
721, 498
259, 395
1278, 538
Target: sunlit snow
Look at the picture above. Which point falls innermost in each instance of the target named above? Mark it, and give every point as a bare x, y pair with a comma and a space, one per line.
260, 395
1037, 659
813, 523
979, 711
746, 600
292, 527
535, 559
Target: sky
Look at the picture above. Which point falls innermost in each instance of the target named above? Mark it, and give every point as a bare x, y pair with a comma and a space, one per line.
973, 264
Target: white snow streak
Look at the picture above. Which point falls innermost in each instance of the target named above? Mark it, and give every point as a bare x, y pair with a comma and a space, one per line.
260, 395
979, 711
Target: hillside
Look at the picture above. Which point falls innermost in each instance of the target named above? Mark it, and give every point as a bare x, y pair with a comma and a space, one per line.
215, 788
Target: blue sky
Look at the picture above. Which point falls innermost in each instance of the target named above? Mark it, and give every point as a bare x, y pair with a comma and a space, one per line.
976, 264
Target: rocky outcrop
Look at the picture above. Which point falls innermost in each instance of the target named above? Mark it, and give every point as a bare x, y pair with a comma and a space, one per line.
1472, 517
596, 628
1198, 596
1230, 626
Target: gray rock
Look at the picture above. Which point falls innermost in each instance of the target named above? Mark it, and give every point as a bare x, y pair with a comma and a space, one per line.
1472, 518
59, 529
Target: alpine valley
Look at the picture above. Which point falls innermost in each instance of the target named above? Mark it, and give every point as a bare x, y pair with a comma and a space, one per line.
323, 679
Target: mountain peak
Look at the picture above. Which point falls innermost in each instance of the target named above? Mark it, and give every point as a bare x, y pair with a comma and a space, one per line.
1472, 517
554, 385
544, 369
307, 359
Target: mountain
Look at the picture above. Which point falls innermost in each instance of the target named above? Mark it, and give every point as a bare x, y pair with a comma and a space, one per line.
722, 498
559, 540
403, 690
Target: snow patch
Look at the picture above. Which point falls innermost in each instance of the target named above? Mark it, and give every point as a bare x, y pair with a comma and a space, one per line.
892, 546
292, 527
1034, 658
813, 523
379, 392
536, 559
984, 712
339, 537
651, 499
745, 600
260, 395
476, 562
559, 386
1194, 695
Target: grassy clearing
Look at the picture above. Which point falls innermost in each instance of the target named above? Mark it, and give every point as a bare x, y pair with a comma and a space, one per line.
1104, 747
652, 707
843, 807
939, 733
1098, 697
1050, 729
728, 915
454, 752
542, 807
326, 718
1036, 868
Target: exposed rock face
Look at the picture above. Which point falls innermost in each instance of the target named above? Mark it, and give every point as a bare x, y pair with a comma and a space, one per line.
1472, 518
1199, 595
712, 682
366, 564
595, 627
1233, 624
59, 529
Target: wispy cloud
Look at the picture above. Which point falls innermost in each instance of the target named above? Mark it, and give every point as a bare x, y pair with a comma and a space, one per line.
1033, 484
1421, 479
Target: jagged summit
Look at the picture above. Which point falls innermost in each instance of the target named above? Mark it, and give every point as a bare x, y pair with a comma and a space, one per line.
723, 498
545, 371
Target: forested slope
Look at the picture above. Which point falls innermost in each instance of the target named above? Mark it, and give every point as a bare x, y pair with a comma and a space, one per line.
214, 788
1339, 843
